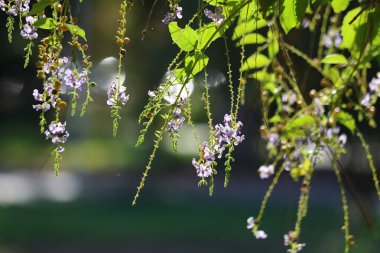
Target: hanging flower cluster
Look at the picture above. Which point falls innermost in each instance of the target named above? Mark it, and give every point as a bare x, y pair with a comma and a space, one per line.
251, 225
216, 17
177, 120
15, 7
117, 96
225, 137
29, 31
290, 240
172, 15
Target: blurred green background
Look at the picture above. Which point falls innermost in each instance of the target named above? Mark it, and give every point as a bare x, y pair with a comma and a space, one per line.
88, 207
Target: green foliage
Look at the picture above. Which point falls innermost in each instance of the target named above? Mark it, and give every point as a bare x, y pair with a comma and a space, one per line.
292, 13
40, 6
185, 39
334, 59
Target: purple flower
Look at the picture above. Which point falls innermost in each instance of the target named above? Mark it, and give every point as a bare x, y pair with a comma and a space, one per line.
117, 95
44, 107
37, 96
2, 5
75, 80
305, 23
374, 85
173, 15
60, 150
332, 39
29, 31
177, 121
218, 17
203, 169
229, 134
57, 133
366, 100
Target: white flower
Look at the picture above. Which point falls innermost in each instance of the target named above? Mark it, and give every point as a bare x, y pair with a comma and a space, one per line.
260, 234
266, 171
250, 222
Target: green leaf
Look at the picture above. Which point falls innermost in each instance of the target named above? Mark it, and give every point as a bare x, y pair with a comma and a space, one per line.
292, 13
40, 6
300, 122
195, 63
252, 38
263, 76
249, 26
346, 120
275, 119
273, 47
334, 59
271, 87
185, 39
255, 61
339, 5
206, 33
74, 29
44, 23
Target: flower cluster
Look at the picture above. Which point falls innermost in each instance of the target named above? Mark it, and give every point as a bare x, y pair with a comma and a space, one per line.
266, 171
216, 17
226, 135
332, 38
117, 95
334, 136
288, 99
57, 69
291, 240
29, 31
57, 133
15, 7
251, 225
74, 79
206, 163
176, 123
172, 15
370, 98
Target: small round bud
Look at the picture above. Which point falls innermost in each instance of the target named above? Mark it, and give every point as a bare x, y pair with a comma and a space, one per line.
93, 84
349, 93
126, 41
85, 47
123, 52
59, 8
264, 95
313, 93
62, 104
40, 74
372, 110
57, 85
326, 82
64, 28
263, 132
